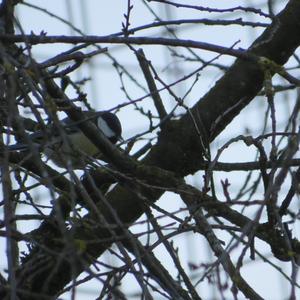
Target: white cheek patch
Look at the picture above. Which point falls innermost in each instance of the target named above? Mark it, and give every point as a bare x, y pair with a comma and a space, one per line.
101, 124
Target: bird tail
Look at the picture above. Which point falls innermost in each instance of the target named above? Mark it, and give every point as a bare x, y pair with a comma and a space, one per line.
18, 147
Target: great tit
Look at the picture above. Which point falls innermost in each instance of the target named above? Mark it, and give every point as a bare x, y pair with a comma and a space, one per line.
68, 144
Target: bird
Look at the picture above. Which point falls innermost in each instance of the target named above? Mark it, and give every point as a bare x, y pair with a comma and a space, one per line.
67, 145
